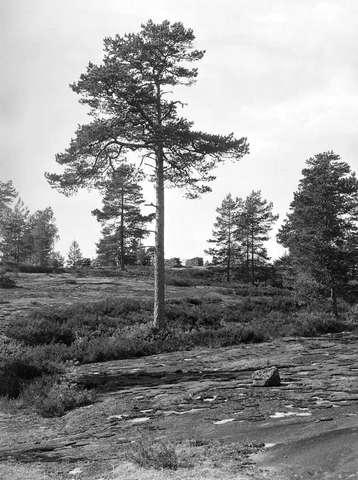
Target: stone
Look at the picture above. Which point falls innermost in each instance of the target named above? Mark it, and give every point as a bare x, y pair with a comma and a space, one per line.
267, 377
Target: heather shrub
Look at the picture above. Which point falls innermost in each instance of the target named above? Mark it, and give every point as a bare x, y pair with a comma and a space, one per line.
53, 397
19, 365
147, 453
309, 324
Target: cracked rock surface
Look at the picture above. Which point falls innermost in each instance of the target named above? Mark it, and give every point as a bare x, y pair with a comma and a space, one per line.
308, 424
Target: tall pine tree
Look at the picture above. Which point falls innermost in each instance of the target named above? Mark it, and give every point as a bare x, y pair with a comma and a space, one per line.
321, 228
129, 95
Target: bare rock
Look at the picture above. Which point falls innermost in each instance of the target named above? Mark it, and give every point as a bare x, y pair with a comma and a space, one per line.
267, 377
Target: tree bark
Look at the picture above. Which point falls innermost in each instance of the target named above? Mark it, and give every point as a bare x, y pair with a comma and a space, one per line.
334, 301
122, 262
159, 271
229, 252
252, 260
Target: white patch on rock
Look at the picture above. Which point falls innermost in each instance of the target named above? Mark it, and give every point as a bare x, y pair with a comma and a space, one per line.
210, 399
226, 420
290, 414
116, 417
140, 420
174, 412
75, 471
269, 445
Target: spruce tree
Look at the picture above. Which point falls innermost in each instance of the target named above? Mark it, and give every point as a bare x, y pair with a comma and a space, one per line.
130, 97
123, 224
74, 256
226, 250
321, 227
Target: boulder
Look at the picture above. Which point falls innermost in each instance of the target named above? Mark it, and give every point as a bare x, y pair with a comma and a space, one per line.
266, 377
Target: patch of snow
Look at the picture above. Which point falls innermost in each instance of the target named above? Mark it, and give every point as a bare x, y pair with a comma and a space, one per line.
211, 399
140, 420
116, 417
75, 471
290, 414
174, 412
269, 445
226, 420
146, 411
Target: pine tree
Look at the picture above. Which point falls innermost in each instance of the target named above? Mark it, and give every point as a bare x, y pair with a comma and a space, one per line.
226, 250
124, 226
74, 256
254, 224
132, 110
321, 228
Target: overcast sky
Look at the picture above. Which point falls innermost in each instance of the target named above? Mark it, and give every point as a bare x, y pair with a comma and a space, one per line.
284, 73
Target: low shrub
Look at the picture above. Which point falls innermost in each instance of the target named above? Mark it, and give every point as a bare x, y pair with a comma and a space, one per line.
159, 455
20, 365
179, 282
53, 397
310, 324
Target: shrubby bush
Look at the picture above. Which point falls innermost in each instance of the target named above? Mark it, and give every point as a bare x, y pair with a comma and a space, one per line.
53, 397
147, 453
19, 365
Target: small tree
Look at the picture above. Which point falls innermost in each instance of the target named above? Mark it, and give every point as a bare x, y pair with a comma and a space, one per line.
14, 233
7, 195
321, 228
254, 224
124, 226
226, 250
132, 110
43, 234
56, 261
74, 257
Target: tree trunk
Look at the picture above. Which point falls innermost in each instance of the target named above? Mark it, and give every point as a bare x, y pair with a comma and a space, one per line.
252, 260
247, 258
334, 301
159, 271
122, 262
229, 253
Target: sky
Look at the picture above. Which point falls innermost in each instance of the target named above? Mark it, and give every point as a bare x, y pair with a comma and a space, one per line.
282, 73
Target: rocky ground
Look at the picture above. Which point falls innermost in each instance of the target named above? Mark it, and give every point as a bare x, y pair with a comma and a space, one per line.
202, 401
